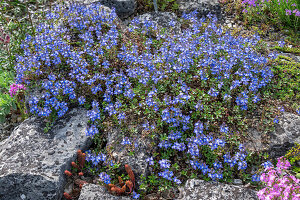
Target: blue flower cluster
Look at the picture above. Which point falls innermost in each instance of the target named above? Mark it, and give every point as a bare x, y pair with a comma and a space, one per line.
238, 159
100, 68
104, 177
100, 158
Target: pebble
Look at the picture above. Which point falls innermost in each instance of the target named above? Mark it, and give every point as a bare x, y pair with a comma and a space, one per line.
237, 182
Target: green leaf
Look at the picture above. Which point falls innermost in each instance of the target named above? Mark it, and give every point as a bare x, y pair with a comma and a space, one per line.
14, 106
2, 118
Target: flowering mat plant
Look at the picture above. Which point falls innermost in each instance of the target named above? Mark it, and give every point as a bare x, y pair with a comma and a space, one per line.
191, 92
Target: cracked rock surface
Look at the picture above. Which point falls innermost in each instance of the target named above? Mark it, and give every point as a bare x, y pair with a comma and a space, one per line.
32, 163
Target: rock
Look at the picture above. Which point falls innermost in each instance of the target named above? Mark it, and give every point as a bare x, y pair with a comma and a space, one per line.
203, 190
237, 182
124, 8
97, 192
287, 132
160, 20
120, 153
32, 163
202, 6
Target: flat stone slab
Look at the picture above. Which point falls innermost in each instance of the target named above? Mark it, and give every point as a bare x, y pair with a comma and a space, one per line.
204, 190
32, 163
97, 192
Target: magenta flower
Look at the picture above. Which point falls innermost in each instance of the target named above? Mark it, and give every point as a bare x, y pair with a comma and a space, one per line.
288, 12
278, 183
14, 88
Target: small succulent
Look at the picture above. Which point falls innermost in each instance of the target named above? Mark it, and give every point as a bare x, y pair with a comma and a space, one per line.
123, 188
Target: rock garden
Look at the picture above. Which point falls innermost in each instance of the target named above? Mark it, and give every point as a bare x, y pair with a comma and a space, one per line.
154, 100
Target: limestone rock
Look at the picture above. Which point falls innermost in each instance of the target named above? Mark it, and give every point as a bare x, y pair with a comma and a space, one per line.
97, 192
203, 190
32, 163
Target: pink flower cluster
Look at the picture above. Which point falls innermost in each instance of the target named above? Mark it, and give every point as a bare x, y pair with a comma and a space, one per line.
14, 88
279, 184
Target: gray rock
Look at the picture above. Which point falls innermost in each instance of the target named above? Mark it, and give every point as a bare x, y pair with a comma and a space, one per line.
32, 163
287, 132
202, 6
97, 192
124, 8
160, 20
203, 190
237, 182
120, 153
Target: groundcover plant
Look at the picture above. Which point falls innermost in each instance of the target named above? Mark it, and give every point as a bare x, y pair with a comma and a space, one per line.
189, 91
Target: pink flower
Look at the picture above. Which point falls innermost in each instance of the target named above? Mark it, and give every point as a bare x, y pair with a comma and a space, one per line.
288, 12
14, 88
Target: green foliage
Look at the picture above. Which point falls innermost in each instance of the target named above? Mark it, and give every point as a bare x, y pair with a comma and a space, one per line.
163, 5
6, 101
293, 155
275, 13
286, 85
16, 20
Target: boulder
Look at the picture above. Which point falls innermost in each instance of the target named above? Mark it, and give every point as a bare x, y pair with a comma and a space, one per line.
97, 192
286, 133
32, 163
160, 20
203, 190
124, 8
287, 130
202, 6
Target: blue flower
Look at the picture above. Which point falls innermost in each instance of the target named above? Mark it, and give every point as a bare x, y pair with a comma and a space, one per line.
242, 165
217, 165
166, 174
91, 131
178, 146
135, 195
267, 164
224, 129
174, 135
104, 177
126, 141
166, 144
164, 163
281, 43
81, 100
150, 161
255, 178
177, 181
298, 111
